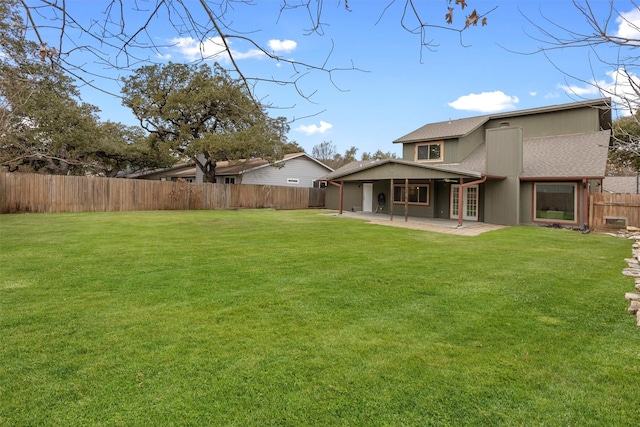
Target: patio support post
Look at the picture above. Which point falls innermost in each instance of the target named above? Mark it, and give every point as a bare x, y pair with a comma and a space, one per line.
391, 194
406, 199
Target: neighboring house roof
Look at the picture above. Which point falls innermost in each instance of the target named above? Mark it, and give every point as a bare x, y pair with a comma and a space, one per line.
243, 166
182, 169
225, 167
621, 184
463, 127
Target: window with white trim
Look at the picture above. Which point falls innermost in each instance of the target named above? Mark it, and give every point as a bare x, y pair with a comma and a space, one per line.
293, 180
429, 152
555, 201
229, 179
418, 194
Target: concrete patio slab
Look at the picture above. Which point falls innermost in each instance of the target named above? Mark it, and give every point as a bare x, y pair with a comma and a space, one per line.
437, 225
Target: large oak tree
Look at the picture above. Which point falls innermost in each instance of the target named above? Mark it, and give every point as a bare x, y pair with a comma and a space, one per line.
201, 113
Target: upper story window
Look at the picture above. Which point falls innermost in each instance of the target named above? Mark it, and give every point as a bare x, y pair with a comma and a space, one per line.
429, 152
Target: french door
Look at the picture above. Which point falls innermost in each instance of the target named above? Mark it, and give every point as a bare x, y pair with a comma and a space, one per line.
469, 202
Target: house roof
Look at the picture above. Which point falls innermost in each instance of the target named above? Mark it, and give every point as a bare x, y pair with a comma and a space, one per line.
463, 127
581, 155
578, 155
621, 184
563, 156
362, 166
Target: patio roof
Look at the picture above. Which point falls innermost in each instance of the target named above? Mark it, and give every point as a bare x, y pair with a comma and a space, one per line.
398, 169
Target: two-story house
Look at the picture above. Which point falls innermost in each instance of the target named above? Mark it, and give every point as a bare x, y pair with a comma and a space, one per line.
522, 167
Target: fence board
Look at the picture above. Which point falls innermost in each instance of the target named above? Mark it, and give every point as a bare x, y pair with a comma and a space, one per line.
607, 208
51, 193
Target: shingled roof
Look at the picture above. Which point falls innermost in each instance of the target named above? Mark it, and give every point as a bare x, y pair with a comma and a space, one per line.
463, 127
582, 155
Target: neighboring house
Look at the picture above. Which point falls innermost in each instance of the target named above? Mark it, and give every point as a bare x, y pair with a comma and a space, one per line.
523, 167
184, 171
622, 184
295, 170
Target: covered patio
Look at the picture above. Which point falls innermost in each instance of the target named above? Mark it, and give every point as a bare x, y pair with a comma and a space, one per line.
403, 189
438, 225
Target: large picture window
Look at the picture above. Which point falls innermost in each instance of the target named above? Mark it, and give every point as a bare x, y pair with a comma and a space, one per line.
555, 202
418, 194
431, 152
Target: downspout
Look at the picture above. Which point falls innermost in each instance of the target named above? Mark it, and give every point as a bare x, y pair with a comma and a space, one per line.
585, 204
341, 186
464, 185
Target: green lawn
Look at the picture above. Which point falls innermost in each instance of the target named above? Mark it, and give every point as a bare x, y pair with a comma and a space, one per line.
293, 318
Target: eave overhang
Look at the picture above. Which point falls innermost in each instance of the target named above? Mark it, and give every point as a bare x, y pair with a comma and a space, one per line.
402, 169
559, 178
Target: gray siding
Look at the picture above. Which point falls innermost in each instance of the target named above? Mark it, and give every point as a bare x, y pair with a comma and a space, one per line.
301, 168
504, 159
554, 123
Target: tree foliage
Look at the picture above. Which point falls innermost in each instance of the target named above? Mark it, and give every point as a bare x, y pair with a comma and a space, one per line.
328, 154
624, 155
201, 113
608, 30
44, 127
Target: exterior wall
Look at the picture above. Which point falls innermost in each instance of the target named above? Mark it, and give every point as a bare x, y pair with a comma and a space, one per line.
301, 168
504, 158
442, 200
352, 197
527, 208
563, 122
382, 187
526, 203
468, 144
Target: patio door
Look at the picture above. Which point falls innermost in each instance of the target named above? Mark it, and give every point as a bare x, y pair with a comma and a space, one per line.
367, 197
469, 202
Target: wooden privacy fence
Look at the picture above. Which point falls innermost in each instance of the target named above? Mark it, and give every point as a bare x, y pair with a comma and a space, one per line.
21, 193
612, 210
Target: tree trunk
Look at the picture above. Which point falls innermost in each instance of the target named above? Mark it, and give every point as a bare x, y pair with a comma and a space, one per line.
207, 166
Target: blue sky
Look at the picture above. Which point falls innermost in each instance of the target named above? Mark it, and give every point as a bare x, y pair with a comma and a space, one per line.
400, 87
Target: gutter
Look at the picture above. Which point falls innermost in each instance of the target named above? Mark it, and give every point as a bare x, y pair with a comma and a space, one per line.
464, 185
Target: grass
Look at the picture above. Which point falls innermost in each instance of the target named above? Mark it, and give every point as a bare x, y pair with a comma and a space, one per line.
289, 318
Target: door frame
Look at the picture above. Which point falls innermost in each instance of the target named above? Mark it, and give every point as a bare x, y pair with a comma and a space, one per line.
367, 197
469, 199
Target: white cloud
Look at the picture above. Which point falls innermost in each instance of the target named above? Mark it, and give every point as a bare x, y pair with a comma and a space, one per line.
485, 102
194, 50
580, 91
284, 46
619, 86
629, 25
533, 93
315, 129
